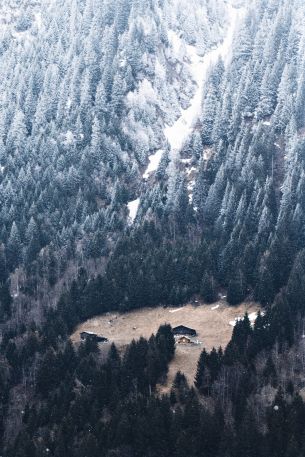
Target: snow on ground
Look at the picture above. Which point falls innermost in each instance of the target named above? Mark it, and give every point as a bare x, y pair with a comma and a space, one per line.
190, 188
38, 19
177, 134
175, 310
252, 319
154, 161
133, 209
191, 185
233, 323
199, 66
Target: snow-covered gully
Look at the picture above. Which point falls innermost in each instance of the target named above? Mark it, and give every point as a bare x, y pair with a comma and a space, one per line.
177, 134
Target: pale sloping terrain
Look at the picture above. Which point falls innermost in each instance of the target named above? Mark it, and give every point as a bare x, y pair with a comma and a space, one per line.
213, 323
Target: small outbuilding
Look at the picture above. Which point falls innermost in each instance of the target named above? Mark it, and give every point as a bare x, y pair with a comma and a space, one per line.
93, 337
184, 331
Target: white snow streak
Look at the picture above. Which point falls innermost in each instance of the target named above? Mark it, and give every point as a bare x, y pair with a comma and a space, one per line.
133, 209
175, 310
154, 161
177, 134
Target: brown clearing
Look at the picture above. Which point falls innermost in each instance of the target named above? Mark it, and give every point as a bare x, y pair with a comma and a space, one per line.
212, 323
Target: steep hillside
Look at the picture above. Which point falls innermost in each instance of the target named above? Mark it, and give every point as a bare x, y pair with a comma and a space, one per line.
239, 178
87, 89
152, 154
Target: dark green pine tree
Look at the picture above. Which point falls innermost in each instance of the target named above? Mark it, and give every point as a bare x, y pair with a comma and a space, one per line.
3, 266
165, 341
237, 289
5, 302
278, 430
13, 251
201, 368
269, 372
208, 288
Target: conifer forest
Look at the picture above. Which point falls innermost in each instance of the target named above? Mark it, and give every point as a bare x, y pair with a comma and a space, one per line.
152, 154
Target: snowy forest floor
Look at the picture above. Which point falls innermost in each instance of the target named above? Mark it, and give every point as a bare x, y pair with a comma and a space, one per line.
213, 323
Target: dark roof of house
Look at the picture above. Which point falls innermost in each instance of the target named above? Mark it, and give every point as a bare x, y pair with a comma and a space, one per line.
182, 330
93, 336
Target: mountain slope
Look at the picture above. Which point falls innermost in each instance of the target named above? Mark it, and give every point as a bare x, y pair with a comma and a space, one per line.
151, 153
86, 91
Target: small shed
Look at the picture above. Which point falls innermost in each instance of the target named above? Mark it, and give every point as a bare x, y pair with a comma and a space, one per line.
184, 340
184, 331
93, 337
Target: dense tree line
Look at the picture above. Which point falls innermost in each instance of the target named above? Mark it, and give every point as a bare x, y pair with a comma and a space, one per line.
93, 401
65, 385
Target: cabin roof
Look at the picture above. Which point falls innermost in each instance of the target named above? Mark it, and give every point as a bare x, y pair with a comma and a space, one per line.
182, 329
94, 336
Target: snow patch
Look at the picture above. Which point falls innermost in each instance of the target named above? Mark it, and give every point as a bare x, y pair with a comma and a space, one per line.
154, 161
177, 44
252, 319
233, 323
133, 209
175, 310
215, 307
191, 170
207, 154
38, 19
191, 185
